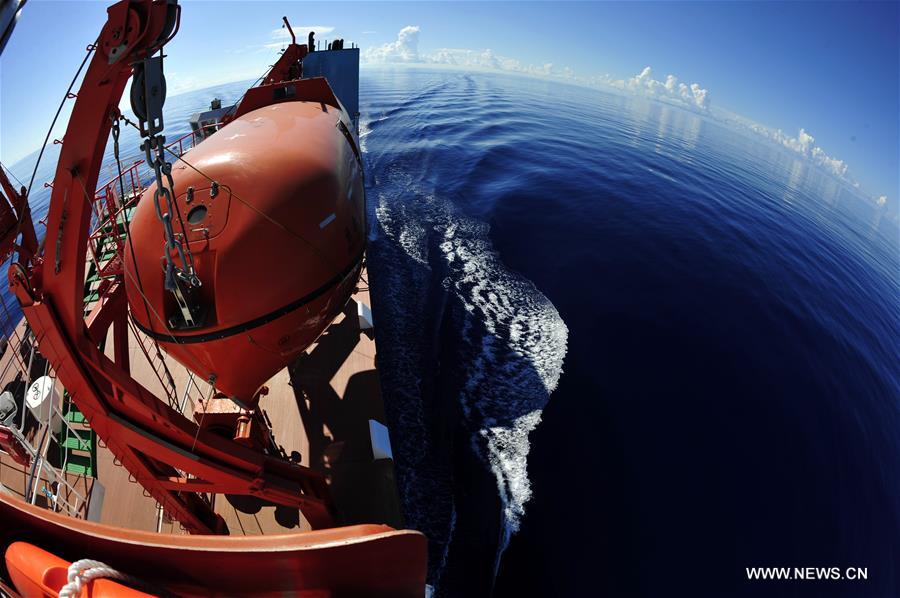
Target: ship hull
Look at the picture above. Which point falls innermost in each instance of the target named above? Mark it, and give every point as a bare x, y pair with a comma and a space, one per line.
371, 560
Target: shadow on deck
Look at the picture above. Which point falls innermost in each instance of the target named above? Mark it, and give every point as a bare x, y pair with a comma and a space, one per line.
338, 391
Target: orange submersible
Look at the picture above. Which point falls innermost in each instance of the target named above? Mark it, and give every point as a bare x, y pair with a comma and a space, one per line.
268, 239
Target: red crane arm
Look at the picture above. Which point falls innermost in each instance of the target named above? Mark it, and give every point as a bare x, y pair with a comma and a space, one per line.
15, 217
131, 33
287, 67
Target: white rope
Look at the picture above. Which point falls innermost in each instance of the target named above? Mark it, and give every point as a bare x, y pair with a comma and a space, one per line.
83, 572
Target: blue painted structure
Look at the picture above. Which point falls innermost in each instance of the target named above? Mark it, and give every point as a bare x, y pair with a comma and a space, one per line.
341, 69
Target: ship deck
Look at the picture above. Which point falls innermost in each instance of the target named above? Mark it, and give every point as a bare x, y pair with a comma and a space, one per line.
319, 406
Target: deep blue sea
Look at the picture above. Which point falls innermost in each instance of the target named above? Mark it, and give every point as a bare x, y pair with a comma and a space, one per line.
625, 349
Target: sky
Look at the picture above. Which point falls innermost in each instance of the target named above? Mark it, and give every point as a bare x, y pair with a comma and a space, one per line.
819, 78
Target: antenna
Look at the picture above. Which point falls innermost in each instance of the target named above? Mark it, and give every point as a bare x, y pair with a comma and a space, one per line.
291, 31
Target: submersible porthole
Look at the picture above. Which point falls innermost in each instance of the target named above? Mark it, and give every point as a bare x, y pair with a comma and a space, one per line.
197, 214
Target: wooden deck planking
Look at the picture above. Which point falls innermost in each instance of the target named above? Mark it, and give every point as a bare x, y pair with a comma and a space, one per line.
319, 406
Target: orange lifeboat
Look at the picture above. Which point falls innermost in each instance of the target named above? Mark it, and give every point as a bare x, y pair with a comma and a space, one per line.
37, 573
273, 210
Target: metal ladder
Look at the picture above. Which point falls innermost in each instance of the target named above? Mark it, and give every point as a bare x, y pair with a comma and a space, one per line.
78, 442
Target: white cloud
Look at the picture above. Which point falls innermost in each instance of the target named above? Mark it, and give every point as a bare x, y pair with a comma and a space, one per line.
281, 36
301, 31
545, 70
805, 145
478, 59
404, 49
691, 96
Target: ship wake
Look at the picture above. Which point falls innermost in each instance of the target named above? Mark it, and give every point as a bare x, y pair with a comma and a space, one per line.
469, 350
513, 331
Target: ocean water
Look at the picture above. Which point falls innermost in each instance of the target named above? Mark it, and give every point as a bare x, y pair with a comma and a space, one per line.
625, 350
628, 351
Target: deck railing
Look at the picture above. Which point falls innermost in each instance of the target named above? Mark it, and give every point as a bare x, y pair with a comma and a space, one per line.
111, 202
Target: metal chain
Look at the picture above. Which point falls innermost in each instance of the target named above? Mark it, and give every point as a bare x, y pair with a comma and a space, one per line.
170, 396
180, 280
115, 134
162, 170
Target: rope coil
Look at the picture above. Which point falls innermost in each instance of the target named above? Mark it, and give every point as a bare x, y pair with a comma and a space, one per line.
83, 572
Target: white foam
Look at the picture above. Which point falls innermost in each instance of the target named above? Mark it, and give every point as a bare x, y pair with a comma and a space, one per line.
525, 336
365, 129
512, 345
517, 337
508, 449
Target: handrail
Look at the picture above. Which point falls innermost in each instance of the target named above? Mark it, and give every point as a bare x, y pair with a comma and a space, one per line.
133, 171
